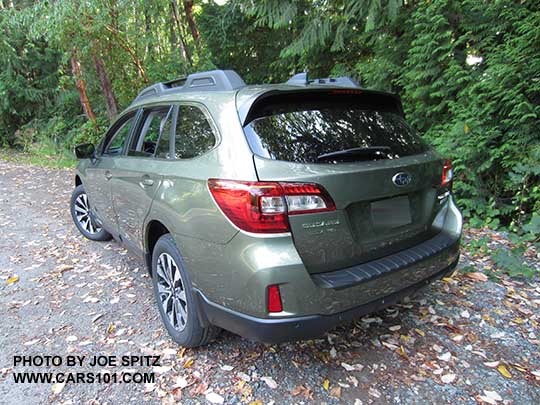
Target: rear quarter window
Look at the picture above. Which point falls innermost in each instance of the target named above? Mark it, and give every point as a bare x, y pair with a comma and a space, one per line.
304, 132
195, 135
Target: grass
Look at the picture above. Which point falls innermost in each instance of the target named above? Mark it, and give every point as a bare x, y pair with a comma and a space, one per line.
41, 154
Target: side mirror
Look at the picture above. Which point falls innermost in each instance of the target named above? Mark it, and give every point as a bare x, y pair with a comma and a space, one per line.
85, 151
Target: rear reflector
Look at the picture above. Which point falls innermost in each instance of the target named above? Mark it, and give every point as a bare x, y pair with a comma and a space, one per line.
274, 299
447, 174
264, 207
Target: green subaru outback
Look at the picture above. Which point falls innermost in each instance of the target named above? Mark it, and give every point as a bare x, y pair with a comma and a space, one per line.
273, 211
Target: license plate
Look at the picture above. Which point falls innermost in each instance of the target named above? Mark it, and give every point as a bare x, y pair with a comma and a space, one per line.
391, 213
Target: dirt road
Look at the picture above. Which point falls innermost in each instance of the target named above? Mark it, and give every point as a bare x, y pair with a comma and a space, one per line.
464, 339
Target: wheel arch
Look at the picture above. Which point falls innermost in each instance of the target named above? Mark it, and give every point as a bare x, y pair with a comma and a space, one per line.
155, 229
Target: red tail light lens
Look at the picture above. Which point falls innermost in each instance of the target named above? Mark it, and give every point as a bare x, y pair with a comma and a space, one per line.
274, 299
447, 174
263, 207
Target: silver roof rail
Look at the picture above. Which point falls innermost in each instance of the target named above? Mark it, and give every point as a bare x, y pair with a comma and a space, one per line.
302, 79
214, 80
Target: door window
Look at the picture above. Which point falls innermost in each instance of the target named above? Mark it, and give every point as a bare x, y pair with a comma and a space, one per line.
194, 133
155, 122
116, 139
164, 149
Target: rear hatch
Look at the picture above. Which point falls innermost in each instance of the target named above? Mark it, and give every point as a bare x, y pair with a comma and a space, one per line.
382, 177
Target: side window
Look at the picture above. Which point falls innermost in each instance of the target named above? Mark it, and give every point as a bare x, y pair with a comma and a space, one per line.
155, 121
115, 142
163, 149
194, 133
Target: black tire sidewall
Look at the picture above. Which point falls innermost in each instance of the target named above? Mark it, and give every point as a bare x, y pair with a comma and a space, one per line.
102, 235
190, 336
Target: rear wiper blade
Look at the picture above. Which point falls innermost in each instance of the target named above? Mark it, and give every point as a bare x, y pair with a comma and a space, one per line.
370, 152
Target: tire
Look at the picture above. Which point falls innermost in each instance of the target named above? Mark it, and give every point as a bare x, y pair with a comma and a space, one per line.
179, 309
83, 218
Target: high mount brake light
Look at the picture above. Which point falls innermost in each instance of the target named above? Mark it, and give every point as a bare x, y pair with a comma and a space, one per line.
447, 174
264, 207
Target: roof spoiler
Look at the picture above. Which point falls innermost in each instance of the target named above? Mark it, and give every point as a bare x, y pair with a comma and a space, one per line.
214, 80
251, 107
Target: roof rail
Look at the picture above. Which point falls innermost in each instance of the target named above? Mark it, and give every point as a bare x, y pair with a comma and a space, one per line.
214, 80
302, 79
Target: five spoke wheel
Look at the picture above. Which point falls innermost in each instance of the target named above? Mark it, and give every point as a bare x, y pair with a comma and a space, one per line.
172, 293
82, 211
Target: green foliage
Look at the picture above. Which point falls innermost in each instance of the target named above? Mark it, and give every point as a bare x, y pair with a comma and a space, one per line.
484, 114
511, 262
28, 78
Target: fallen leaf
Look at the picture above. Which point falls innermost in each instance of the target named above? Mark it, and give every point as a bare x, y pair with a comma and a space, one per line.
394, 328
243, 376
374, 392
58, 387
476, 276
445, 356
214, 398
64, 267
12, 280
504, 371
161, 369
226, 367
420, 332
490, 397
189, 363
270, 382
302, 390
326, 384
336, 391
169, 352
180, 382
491, 364
149, 387
448, 378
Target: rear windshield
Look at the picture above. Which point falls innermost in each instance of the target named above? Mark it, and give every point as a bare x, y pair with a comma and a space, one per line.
331, 132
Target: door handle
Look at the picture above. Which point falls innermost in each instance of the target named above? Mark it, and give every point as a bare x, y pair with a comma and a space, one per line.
108, 175
146, 181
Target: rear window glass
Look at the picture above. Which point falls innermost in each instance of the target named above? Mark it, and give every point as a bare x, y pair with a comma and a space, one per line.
331, 132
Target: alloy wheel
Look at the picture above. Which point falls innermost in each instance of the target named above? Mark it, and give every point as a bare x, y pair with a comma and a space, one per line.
82, 212
172, 293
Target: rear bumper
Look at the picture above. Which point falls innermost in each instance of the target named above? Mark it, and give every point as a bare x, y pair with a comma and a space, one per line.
303, 327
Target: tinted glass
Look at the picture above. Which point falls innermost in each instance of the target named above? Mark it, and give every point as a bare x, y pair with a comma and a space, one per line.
116, 143
163, 150
303, 133
153, 124
194, 133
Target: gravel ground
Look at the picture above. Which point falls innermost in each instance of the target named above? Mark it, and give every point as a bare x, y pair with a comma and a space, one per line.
464, 339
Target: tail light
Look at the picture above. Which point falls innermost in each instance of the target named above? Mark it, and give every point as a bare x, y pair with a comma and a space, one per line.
447, 174
274, 299
263, 207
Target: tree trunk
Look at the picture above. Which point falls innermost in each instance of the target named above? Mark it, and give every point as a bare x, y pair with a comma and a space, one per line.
184, 50
106, 87
81, 88
188, 9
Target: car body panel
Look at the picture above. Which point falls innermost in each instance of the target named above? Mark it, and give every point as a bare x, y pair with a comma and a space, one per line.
237, 273
350, 235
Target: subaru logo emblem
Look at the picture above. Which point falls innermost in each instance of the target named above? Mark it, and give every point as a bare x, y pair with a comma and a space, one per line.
402, 179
